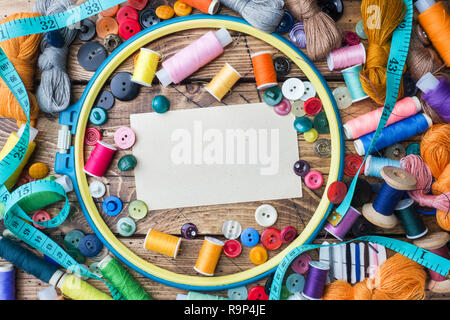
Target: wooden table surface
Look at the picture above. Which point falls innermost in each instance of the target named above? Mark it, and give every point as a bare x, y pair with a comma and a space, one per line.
189, 94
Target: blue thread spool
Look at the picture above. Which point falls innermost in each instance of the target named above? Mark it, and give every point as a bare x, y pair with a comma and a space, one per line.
374, 165
7, 282
396, 182
351, 78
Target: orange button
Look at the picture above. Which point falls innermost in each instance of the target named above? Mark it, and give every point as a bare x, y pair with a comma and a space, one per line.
258, 255
105, 26
182, 9
111, 12
165, 12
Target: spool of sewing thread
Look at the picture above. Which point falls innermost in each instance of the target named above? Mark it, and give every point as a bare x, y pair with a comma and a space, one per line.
209, 256
145, 67
76, 289
100, 159
436, 243
193, 57
435, 19
222, 83
265, 74
205, 6
410, 219
7, 282
351, 78
396, 182
297, 35
346, 57
343, 227
315, 280
436, 93
122, 280
394, 133
162, 243
368, 122
374, 165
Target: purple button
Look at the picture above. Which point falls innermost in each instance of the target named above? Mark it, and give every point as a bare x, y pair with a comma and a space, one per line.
301, 168
301, 263
283, 108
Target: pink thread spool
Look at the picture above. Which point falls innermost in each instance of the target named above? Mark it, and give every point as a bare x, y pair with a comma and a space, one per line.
100, 159
436, 243
368, 122
346, 57
340, 230
193, 57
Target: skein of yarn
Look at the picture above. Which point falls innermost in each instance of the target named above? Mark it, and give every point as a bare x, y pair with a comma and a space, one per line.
23, 54
265, 15
53, 93
379, 26
322, 34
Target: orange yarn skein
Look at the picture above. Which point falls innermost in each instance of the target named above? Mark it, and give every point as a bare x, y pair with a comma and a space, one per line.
23, 53
380, 17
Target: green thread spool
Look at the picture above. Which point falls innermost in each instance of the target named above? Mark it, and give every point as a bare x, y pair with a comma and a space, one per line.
410, 219
192, 295
351, 78
122, 280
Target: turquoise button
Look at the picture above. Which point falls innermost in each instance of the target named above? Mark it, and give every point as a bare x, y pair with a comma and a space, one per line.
303, 124
413, 148
360, 30
273, 96
239, 293
295, 283
126, 227
160, 104
98, 116
72, 239
127, 163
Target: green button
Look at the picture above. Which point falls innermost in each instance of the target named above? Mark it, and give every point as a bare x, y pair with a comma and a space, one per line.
98, 116
126, 227
127, 163
137, 209
160, 104
413, 148
72, 239
284, 294
321, 123
273, 96
303, 124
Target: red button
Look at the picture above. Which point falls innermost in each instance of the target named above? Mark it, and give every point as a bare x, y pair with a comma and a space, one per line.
138, 4
257, 293
232, 248
312, 106
314, 179
127, 12
91, 136
337, 192
271, 239
301, 263
352, 164
40, 216
129, 28
351, 38
288, 234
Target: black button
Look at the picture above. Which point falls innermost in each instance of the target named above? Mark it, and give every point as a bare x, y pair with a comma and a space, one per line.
123, 88
91, 55
333, 8
282, 66
111, 42
287, 22
105, 100
87, 30
409, 85
148, 18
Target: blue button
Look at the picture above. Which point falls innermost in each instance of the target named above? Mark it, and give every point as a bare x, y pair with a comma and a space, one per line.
295, 283
287, 22
249, 237
112, 206
239, 293
90, 246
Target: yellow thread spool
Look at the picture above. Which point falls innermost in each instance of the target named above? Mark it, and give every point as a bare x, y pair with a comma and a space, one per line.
209, 256
162, 243
145, 67
77, 289
222, 83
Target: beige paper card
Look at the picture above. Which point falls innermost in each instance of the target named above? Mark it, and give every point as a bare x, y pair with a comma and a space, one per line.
215, 155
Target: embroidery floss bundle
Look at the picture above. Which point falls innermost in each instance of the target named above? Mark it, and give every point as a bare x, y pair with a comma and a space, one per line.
322, 34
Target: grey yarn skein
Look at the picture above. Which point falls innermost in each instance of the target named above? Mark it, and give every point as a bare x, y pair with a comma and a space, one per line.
53, 93
265, 15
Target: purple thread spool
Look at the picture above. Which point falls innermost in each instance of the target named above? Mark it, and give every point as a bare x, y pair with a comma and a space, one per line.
7, 282
436, 93
345, 225
297, 35
316, 280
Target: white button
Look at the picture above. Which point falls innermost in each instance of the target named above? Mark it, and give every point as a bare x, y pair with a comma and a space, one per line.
97, 189
342, 97
293, 89
231, 229
297, 108
266, 215
310, 91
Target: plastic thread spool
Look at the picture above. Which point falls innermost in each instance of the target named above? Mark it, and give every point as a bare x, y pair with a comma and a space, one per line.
343, 227
346, 57
315, 280
410, 219
145, 67
7, 282
396, 182
100, 159
374, 165
209, 256
436, 92
205, 6
222, 83
265, 74
351, 78
162, 243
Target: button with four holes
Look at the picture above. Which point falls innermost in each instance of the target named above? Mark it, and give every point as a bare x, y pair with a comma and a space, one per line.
87, 30
314, 179
293, 89
105, 26
123, 88
239, 293
342, 97
295, 283
231, 229
283, 108
273, 96
257, 293
232, 248
41, 216
97, 189
282, 66
127, 12
129, 28
189, 231
92, 136
137, 209
266, 215
271, 238
124, 138
249, 237
105, 100
301, 264
91, 55
90, 245
310, 91
148, 18
126, 227
112, 206
288, 234
301, 168
98, 116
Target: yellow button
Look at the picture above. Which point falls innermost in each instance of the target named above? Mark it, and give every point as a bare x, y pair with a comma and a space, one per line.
165, 12
182, 9
311, 135
258, 255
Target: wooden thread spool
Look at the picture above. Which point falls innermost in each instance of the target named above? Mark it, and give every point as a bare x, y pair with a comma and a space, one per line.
209, 256
222, 83
380, 212
145, 66
162, 243
264, 70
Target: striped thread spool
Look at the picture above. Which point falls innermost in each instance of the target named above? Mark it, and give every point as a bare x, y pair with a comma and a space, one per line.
222, 83
145, 66
162, 243
209, 256
351, 78
264, 70
100, 159
410, 219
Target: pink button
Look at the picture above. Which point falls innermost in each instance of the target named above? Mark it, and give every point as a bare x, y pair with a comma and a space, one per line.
288, 234
301, 263
40, 216
283, 108
124, 138
314, 179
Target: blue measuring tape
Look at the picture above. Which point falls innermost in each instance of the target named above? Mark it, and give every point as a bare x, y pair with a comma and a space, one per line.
421, 256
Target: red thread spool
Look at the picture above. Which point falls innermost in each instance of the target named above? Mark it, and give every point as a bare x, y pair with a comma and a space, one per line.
100, 159
264, 70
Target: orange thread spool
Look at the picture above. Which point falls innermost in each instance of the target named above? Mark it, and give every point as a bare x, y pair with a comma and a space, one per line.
205, 6
264, 70
222, 83
162, 243
209, 256
436, 22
